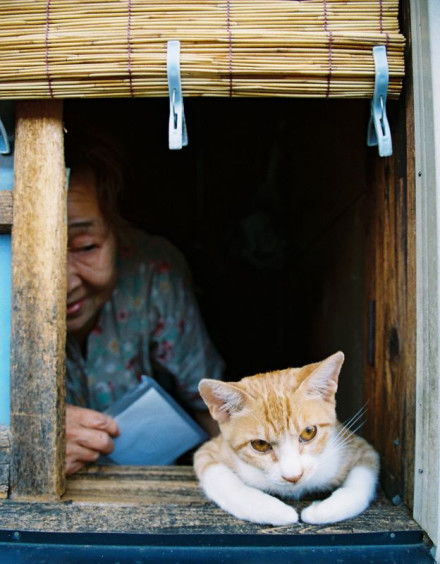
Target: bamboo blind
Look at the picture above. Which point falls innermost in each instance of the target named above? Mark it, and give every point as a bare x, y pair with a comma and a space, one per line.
117, 48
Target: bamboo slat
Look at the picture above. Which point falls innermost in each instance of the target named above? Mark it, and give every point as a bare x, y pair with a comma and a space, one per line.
117, 48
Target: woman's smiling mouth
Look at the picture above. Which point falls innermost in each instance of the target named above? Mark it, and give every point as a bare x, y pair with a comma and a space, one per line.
74, 308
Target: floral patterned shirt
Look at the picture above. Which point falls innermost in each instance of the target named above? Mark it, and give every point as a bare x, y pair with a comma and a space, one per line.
151, 325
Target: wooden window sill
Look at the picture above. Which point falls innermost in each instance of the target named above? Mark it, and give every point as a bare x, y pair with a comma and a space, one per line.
166, 500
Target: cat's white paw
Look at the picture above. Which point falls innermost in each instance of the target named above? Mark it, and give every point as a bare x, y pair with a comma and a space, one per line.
327, 511
278, 514
268, 511
315, 514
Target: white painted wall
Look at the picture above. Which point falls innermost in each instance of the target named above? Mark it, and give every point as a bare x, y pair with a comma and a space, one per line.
425, 31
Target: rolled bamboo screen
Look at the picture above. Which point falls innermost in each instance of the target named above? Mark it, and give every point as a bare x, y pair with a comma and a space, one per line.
117, 48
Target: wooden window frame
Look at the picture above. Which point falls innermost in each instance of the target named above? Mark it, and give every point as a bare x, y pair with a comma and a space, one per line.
38, 321
425, 20
37, 213
38, 298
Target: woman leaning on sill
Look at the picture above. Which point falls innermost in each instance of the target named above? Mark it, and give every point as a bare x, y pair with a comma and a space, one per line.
130, 309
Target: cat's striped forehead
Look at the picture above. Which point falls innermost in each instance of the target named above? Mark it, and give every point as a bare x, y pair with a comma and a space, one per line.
287, 380
277, 404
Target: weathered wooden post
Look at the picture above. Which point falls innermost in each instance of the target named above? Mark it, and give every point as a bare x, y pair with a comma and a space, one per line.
38, 303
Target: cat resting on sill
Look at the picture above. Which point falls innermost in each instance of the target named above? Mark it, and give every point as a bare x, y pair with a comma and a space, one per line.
279, 434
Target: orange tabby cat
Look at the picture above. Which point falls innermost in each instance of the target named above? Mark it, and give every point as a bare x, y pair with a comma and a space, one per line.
279, 434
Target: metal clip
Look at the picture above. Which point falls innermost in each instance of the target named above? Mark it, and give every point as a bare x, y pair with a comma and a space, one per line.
378, 127
177, 135
5, 147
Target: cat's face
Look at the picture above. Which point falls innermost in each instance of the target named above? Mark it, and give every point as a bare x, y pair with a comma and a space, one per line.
280, 423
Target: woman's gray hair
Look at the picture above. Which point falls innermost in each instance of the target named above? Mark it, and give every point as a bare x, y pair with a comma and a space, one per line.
87, 148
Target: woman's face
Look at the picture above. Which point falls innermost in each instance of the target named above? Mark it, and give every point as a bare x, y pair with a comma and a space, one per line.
91, 255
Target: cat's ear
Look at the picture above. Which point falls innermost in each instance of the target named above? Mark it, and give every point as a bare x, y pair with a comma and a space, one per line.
322, 383
222, 399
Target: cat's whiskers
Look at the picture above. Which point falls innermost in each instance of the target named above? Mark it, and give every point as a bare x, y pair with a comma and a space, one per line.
349, 428
354, 418
356, 429
338, 444
346, 438
342, 435
357, 421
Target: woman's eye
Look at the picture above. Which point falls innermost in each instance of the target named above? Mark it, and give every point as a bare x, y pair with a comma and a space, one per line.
83, 248
308, 434
87, 248
260, 445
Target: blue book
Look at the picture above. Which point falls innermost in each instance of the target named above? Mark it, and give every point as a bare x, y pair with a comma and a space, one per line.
154, 428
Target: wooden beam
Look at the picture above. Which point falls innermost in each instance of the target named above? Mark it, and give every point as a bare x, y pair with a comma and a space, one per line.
425, 66
166, 501
5, 458
5, 211
38, 303
390, 375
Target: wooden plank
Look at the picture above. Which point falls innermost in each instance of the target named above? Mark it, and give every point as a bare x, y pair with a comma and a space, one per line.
425, 64
5, 454
5, 211
38, 303
166, 500
148, 484
408, 175
390, 263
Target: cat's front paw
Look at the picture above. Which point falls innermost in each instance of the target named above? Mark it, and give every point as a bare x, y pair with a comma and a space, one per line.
342, 504
322, 512
285, 515
315, 514
262, 508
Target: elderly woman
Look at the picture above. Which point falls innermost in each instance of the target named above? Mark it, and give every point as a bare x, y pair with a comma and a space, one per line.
130, 311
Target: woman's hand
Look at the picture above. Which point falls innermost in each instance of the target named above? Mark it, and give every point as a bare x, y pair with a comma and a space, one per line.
88, 435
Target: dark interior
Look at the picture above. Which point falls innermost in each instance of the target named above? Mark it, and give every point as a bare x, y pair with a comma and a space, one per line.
268, 205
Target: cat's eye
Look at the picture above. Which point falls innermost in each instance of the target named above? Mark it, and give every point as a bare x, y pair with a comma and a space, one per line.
260, 445
308, 434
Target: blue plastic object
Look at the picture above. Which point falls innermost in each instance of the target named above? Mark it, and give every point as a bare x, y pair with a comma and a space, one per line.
5, 325
378, 127
6, 183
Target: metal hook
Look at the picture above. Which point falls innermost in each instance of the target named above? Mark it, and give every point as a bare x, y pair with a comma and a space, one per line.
177, 134
378, 127
5, 147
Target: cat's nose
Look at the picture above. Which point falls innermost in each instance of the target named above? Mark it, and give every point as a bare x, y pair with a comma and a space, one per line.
293, 479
